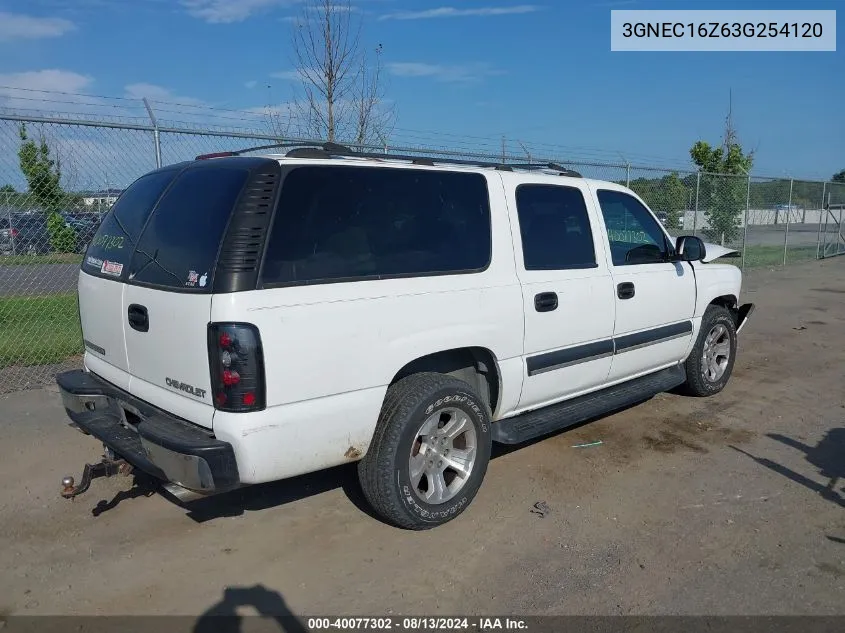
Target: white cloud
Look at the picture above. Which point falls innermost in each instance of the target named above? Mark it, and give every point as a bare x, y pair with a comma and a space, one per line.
158, 93
290, 75
18, 26
228, 11
443, 72
52, 80
452, 12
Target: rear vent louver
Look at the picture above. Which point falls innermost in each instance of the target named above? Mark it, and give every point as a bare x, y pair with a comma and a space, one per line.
241, 252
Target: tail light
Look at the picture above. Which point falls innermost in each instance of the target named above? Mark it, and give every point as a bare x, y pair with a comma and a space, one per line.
236, 361
14, 233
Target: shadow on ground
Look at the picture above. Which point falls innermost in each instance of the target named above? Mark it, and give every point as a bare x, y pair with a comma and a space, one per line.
227, 616
828, 456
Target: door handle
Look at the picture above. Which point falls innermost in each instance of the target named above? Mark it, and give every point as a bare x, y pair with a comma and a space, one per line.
625, 290
545, 302
139, 318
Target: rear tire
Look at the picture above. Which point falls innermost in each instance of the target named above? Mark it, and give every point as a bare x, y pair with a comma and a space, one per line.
710, 364
429, 453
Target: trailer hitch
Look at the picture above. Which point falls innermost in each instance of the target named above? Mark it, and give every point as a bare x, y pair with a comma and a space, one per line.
105, 468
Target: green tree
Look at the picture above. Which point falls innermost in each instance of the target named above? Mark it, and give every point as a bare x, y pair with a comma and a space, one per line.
839, 177
723, 189
43, 175
667, 195
7, 189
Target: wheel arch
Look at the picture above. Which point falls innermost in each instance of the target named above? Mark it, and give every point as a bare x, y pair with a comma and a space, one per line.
478, 366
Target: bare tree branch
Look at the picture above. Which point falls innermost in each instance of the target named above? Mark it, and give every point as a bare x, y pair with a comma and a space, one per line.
341, 96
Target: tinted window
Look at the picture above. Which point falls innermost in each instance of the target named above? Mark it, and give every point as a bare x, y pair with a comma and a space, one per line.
635, 236
357, 222
111, 248
555, 228
179, 245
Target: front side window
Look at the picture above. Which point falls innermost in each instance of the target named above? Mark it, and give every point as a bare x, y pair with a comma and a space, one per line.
338, 223
634, 235
555, 228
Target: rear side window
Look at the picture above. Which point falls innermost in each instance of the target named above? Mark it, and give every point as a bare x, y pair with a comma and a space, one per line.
178, 248
111, 248
346, 223
555, 228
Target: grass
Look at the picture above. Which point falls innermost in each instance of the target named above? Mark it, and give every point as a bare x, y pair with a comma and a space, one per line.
39, 330
28, 260
761, 256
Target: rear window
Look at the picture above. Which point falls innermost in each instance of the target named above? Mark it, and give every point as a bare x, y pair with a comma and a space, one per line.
111, 248
348, 223
179, 245
176, 245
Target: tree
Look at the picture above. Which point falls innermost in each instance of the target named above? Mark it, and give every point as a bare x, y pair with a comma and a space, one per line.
839, 177
723, 192
342, 94
7, 189
373, 121
43, 175
667, 195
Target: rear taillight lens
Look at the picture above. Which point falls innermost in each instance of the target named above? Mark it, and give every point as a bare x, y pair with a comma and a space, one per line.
14, 233
236, 361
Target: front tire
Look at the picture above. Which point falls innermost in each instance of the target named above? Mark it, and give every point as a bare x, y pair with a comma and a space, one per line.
710, 364
429, 452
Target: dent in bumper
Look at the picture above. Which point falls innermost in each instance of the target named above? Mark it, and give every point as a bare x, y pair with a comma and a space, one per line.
163, 446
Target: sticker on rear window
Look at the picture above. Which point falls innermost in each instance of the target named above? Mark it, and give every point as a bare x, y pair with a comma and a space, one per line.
93, 261
194, 278
111, 268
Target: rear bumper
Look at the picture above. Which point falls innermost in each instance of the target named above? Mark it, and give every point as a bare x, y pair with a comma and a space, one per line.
153, 441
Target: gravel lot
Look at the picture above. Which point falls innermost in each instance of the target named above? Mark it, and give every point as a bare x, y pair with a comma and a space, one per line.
726, 505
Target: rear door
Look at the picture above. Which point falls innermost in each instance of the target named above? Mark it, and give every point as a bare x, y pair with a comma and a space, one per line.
567, 291
167, 299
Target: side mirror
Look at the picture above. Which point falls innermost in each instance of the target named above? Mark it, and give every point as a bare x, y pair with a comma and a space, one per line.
690, 248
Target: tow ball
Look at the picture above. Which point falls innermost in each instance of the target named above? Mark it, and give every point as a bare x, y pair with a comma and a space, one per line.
105, 468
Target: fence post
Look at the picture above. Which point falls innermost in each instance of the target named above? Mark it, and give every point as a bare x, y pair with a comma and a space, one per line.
11, 226
695, 213
156, 136
788, 211
819, 235
627, 174
747, 208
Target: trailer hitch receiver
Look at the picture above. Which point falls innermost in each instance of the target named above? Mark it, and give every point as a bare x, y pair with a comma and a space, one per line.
105, 468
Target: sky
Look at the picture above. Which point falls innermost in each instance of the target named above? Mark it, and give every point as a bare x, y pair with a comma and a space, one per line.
458, 73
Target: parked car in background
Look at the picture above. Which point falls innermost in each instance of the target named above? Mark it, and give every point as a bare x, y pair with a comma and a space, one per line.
26, 233
85, 225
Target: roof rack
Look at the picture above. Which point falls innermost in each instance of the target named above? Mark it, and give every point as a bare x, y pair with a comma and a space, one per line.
334, 150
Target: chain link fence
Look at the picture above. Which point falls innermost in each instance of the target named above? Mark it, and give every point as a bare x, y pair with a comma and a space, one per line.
47, 220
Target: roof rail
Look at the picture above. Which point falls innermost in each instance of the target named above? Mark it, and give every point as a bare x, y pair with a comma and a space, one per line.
334, 150
238, 152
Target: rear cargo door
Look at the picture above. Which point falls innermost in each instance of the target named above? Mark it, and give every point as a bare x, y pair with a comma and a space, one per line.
103, 273
167, 299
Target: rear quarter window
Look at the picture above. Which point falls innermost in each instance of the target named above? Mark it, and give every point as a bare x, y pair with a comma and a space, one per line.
338, 223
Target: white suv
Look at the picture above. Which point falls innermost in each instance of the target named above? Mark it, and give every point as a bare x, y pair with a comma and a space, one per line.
250, 318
